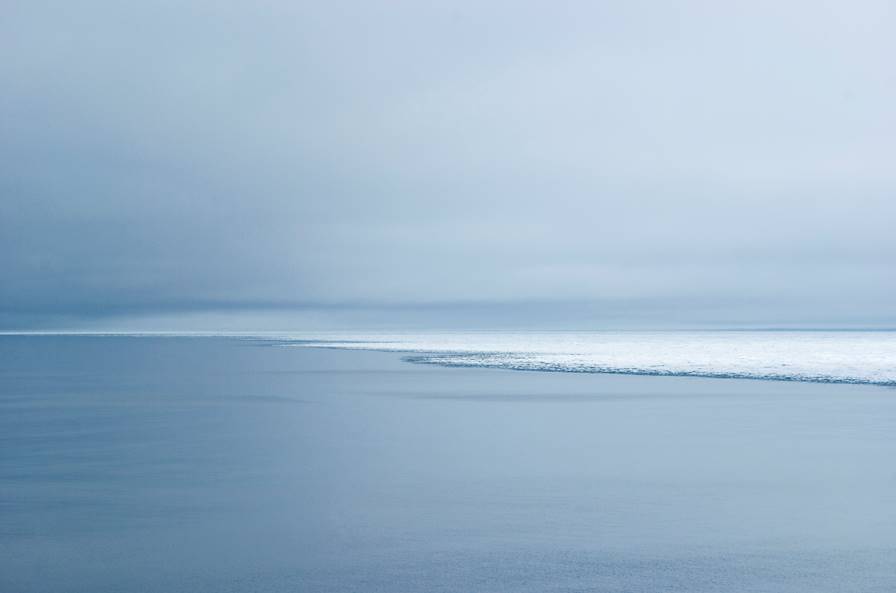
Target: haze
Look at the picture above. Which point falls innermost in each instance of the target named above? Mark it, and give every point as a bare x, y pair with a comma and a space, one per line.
476, 164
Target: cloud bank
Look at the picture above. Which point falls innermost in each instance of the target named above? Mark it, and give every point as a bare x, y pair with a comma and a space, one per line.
448, 162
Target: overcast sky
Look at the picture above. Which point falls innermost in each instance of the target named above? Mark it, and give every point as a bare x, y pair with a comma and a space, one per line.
473, 163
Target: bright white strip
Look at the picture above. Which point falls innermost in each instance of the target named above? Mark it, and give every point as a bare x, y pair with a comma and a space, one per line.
826, 356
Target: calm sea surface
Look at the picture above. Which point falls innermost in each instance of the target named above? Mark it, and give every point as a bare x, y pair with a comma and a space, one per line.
213, 465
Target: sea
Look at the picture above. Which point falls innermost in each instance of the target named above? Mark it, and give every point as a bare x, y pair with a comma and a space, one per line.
737, 461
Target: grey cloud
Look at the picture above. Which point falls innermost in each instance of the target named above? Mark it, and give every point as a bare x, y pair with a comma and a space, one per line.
185, 156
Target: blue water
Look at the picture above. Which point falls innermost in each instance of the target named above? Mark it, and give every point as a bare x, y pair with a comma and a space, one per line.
211, 464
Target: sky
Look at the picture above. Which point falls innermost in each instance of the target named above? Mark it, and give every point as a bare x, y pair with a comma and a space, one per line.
282, 165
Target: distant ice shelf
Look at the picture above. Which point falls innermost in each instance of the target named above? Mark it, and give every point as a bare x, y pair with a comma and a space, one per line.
821, 356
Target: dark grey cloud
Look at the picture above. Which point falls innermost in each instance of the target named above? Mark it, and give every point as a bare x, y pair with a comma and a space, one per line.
624, 160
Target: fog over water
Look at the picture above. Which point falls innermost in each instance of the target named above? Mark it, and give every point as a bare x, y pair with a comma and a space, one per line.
187, 165
215, 214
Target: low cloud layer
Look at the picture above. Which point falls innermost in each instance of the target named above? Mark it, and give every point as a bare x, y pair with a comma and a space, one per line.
448, 162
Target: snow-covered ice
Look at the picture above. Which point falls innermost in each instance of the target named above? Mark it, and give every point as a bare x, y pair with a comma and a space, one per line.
826, 356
